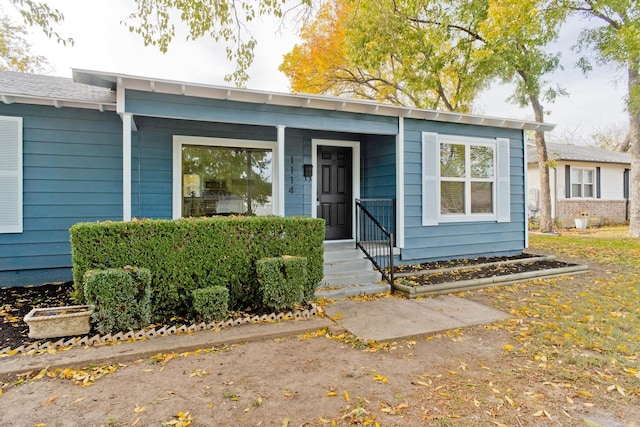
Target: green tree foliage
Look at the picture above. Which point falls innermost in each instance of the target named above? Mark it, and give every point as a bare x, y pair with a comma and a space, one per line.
15, 51
41, 15
441, 53
223, 20
615, 39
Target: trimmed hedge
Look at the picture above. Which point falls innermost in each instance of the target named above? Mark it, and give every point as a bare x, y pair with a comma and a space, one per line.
194, 253
121, 298
210, 304
282, 281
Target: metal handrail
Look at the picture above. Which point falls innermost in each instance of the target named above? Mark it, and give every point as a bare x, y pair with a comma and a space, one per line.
373, 237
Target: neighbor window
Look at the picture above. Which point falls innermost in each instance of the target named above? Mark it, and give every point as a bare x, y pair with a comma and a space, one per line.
582, 182
226, 180
467, 178
10, 174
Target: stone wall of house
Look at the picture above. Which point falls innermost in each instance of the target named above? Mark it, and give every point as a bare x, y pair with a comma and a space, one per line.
597, 210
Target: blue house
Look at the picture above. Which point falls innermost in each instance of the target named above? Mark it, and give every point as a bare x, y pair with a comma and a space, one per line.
107, 146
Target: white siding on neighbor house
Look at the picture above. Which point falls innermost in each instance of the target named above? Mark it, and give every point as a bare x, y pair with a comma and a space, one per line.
611, 179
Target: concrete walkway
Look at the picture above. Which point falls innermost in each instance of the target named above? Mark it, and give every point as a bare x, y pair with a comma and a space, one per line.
389, 319
381, 320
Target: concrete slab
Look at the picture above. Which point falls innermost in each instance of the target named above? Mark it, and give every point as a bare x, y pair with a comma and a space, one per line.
395, 318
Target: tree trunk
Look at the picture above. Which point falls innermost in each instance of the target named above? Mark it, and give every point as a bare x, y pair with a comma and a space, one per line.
634, 140
546, 223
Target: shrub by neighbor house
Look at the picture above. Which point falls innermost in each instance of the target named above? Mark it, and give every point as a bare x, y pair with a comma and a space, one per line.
192, 253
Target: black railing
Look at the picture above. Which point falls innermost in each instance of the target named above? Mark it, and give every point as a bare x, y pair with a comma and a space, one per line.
375, 222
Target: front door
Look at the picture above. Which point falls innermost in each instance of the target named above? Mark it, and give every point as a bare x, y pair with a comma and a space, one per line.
335, 195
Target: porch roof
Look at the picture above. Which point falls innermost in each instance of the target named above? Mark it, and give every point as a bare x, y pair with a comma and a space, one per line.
113, 81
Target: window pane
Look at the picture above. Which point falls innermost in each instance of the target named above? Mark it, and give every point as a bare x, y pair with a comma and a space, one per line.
452, 160
587, 176
451, 197
576, 176
481, 197
224, 180
481, 161
576, 190
588, 190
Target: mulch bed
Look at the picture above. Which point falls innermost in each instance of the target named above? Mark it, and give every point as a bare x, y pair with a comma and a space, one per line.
16, 302
481, 272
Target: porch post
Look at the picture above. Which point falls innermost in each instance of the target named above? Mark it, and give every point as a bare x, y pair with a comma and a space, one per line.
279, 190
127, 118
399, 231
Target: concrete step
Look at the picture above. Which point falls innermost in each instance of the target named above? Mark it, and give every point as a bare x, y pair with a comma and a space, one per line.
347, 278
348, 273
343, 254
347, 266
353, 290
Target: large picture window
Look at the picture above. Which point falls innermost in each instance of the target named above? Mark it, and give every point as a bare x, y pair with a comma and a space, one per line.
464, 179
233, 179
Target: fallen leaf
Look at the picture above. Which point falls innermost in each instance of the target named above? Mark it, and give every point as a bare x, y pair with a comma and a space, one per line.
138, 409
50, 401
380, 378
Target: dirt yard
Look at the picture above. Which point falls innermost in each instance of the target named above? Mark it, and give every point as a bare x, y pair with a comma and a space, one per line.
557, 361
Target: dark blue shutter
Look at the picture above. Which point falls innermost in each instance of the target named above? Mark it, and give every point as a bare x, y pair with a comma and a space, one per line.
567, 181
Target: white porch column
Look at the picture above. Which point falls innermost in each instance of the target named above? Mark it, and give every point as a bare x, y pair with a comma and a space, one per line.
279, 196
127, 119
399, 231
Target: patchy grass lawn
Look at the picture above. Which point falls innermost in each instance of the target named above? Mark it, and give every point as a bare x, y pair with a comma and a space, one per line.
575, 342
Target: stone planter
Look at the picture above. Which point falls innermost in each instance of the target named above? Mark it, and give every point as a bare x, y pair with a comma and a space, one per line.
55, 322
581, 223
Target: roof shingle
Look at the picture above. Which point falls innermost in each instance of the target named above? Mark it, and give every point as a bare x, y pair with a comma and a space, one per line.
35, 85
579, 153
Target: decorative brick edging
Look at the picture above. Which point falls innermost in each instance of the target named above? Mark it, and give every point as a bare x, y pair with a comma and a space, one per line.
142, 334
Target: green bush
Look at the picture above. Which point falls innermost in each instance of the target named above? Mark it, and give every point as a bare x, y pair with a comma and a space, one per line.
210, 304
282, 281
122, 298
193, 253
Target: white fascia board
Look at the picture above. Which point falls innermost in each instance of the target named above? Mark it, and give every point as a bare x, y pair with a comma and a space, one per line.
56, 102
320, 102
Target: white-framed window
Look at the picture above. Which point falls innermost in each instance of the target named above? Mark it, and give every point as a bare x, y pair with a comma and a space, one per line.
464, 179
11, 174
583, 183
220, 176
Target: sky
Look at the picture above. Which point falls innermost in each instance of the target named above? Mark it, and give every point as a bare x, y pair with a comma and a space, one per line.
103, 43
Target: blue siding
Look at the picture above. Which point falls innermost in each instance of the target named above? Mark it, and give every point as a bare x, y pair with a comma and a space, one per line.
151, 151
378, 167
468, 239
188, 107
72, 172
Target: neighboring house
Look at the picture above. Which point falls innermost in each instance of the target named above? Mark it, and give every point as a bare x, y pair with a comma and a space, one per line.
585, 182
111, 147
